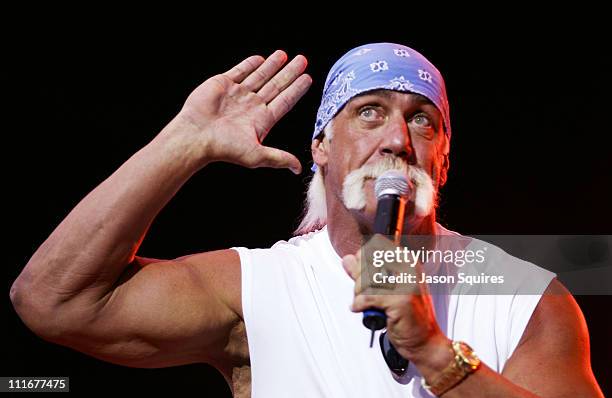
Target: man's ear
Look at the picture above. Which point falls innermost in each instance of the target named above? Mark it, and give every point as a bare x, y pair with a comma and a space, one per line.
320, 151
445, 161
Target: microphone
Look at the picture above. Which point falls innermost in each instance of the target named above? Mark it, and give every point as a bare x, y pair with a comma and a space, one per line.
391, 190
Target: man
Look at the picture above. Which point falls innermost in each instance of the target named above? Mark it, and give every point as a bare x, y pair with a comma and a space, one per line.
384, 107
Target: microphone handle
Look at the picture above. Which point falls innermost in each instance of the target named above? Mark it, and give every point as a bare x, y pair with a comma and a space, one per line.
387, 214
389, 219
388, 211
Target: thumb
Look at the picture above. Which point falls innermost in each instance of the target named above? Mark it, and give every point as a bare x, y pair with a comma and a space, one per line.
351, 265
278, 159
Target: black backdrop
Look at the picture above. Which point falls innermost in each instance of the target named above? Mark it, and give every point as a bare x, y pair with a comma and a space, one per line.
529, 153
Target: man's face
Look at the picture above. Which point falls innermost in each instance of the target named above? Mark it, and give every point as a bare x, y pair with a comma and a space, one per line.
381, 124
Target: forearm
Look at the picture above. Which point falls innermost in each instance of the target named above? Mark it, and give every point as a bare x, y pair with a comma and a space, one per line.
91, 247
487, 383
484, 382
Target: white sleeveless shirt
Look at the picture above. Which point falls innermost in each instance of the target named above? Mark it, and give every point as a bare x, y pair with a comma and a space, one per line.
305, 342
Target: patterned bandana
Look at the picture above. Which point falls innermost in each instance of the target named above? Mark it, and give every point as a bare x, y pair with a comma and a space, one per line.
380, 66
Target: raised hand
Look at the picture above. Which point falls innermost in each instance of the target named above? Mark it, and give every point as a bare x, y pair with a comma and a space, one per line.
230, 114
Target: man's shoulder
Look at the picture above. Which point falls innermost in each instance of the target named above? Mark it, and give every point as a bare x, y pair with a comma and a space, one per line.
496, 258
557, 337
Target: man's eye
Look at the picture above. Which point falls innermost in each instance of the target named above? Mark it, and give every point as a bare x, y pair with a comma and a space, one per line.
369, 113
422, 120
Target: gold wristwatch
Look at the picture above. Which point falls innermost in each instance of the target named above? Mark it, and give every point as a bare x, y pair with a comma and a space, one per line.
464, 363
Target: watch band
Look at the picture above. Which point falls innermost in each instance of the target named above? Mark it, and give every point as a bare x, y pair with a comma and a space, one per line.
464, 362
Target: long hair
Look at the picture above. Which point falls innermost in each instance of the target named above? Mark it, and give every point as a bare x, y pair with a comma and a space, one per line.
315, 208
314, 215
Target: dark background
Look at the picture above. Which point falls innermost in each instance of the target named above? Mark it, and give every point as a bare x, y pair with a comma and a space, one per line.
529, 154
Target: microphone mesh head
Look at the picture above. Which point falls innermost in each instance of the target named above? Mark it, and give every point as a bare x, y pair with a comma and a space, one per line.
391, 182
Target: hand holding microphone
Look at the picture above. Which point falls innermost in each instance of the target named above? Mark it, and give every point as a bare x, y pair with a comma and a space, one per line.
391, 192
412, 319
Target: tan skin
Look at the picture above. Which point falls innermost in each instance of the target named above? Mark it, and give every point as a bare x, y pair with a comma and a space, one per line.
86, 288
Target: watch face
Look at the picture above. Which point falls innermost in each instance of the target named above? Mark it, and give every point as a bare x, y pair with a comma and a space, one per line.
468, 356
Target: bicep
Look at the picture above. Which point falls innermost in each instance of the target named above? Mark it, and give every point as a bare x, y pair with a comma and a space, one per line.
553, 357
167, 313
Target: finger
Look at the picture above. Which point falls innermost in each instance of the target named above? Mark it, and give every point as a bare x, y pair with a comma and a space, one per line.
289, 97
239, 72
351, 266
363, 302
261, 75
283, 78
278, 159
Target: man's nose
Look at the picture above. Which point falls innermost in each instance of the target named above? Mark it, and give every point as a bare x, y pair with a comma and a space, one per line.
396, 140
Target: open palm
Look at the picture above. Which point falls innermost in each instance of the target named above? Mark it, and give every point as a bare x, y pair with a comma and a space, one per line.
237, 109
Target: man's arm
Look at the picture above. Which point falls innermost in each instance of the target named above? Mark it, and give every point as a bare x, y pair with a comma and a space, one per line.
551, 360
165, 313
553, 356
84, 287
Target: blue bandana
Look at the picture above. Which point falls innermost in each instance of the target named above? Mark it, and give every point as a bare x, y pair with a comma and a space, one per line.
380, 66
